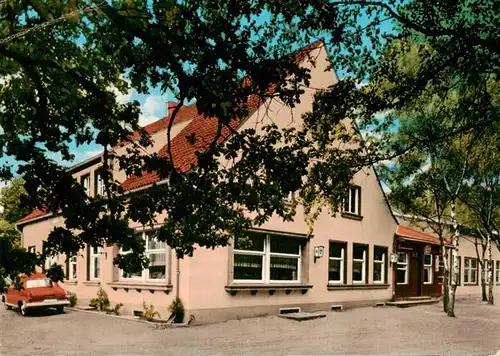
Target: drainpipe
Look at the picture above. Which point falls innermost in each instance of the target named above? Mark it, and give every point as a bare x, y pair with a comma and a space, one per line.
178, 272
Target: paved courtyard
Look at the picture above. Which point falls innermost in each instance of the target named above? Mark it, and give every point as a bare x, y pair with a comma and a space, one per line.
422, 330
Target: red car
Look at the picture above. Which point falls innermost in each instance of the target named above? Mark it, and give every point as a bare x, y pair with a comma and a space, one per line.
39, 292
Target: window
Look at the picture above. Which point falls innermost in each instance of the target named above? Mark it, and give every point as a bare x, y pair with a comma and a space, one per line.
379, 258
336, 262
95, 262
32, 249
402, 268
100, 189
497, 272
85, 182
470, 271
352, 201
72, 269
156, 252
39, 283
267, 258
49, 262
359, 265
428, 270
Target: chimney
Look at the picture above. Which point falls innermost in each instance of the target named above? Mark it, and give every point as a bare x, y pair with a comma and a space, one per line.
171, 106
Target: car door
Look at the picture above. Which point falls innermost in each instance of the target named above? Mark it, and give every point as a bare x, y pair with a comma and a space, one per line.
12, 295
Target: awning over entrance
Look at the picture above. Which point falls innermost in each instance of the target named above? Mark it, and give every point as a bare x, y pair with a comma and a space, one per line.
407, 233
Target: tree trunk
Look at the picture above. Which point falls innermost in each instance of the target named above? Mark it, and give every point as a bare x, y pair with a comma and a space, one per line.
490, 271
454, 253
446, 274
483, 280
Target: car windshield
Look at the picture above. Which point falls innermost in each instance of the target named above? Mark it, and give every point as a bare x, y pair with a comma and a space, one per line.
38, 282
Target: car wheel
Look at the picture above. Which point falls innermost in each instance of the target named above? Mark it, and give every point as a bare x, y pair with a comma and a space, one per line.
60, 309
23, 310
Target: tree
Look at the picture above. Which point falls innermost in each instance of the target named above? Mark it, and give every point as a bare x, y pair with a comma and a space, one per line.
11, 199
61, 61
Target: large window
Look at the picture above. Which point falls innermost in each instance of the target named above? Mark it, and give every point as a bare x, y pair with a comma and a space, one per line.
156, 252
428, 270
94, 262
49, 262
85, 182
402, 268
359, 263
497, 272
379, 262
100, 189
470, 270
72, 268
352, 201
336, 262
267, 258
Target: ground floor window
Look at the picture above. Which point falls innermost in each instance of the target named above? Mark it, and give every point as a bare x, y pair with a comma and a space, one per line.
470, 271
94, 262
336, 262
497, 272
72, 269
402, 268
156, 252
49, 262
379, 261
428, 269
267, 258
32, 249
359, 263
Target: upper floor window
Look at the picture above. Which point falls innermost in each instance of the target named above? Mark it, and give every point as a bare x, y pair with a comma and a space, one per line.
336, 262
428, 269
156, 252
267, 259
379, 262
359, 263
402, 268
85, 182
470, 270
352, 201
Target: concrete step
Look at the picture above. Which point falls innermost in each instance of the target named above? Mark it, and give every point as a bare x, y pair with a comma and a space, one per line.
412, 303
303, 316
419, 298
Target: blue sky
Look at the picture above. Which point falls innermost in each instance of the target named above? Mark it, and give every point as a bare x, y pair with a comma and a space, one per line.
153, 107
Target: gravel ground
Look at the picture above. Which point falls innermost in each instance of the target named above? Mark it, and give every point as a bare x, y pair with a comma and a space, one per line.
422, 330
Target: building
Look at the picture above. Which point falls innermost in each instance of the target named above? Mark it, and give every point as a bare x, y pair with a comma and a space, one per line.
284, 269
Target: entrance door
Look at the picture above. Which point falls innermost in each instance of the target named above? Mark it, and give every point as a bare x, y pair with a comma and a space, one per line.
416, 271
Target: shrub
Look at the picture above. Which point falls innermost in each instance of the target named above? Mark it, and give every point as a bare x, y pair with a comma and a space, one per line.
115, 310
101, 303
177, 310
149, 312
72, 299
56, 273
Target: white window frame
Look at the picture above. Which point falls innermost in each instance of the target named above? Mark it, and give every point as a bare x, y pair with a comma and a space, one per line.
353, 207
497, 272
145, 272
100, 189
379, 262
342, 262
430, 268
364, 261
31, 249
468, 270
85, 182
266, 262
403, 266
72, 265
49, 261
94, 256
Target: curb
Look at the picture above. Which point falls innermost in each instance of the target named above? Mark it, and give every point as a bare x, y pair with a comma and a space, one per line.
155, 324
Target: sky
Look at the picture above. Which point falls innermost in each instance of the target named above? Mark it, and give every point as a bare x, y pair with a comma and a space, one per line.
153, 107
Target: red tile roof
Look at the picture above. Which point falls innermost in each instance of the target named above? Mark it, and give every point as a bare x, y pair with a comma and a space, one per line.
204, 130
186, 112
408, 233
34, 214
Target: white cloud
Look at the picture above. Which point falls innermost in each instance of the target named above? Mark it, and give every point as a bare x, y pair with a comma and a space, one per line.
154, 105
147, 119
123, 98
